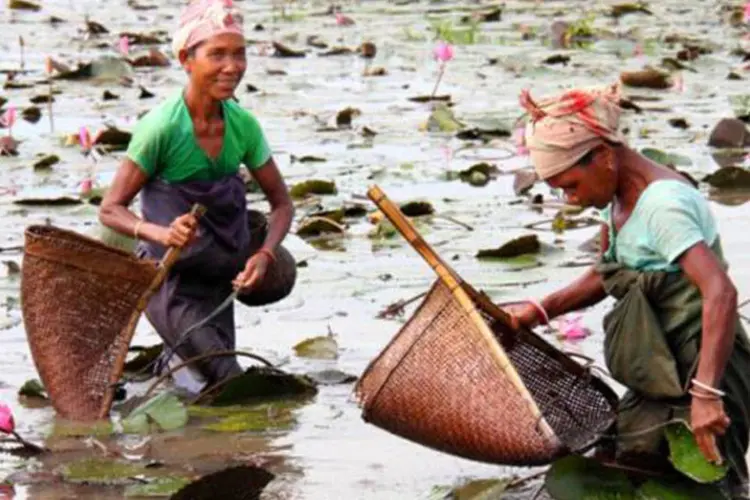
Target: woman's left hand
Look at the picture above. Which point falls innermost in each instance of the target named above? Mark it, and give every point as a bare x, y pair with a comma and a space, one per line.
708, 419
254, 272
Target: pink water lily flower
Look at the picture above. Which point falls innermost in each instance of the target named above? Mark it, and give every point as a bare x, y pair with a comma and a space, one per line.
84, 138
124, 45
520, 139
9, 118
443, 52
571, 328
7, 424
746, 13
343, 20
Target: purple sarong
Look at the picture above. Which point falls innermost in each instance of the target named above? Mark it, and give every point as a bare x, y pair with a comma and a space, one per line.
202, 278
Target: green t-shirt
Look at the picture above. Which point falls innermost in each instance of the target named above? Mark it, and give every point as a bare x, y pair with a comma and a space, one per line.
669, 217
163, 141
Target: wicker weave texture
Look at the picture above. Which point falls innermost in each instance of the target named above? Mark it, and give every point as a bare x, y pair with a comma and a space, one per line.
77, 296
438, 384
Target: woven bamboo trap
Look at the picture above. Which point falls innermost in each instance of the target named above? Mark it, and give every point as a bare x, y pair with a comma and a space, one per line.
457, 378
81, 301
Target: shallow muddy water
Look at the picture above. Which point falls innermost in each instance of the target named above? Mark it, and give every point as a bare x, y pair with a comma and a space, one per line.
329, 452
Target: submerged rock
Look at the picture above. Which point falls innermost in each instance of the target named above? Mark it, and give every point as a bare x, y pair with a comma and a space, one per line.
729, 133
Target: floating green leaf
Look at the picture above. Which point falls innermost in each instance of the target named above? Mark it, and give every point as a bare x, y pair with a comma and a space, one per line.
258, 383
262, 419
442, 120
580, 478
322, 347
33, 388
678, 489
164, 409
481, 489
100, 471
688, 458
527, 244
163, 487
667, 159
312, 186
316, 226
729, 178
69, 428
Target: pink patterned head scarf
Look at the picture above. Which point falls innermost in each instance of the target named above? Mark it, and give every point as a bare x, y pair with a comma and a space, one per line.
203, 19
563, 128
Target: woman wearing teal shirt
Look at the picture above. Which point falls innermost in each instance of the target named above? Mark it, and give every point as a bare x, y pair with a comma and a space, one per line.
673, 338
188, 150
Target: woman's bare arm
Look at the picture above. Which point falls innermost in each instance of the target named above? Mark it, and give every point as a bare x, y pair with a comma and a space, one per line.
114, 212
273, 186
581, 293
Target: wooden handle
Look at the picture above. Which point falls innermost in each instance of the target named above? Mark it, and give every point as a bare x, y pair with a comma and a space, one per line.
167, 261
446, 273
121, 350
409, 232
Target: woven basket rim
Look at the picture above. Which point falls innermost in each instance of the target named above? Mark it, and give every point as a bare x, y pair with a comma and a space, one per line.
50, 232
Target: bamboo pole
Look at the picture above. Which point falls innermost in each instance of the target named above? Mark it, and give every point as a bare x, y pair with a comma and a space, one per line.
455, 284
121, 350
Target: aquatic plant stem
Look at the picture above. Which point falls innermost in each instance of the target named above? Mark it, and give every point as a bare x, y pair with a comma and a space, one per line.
49, 108
21, 46
26, 444
437, 82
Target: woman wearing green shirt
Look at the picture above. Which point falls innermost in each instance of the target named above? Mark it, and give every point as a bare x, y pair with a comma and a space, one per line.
673, 338
188, 150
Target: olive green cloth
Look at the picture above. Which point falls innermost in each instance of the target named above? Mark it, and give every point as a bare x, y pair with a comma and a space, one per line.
652, 343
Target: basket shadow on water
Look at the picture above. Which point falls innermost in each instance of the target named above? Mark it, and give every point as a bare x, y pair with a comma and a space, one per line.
444, 382
78, 296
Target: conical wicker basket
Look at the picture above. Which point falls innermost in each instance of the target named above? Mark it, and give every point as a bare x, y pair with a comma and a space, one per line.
458, 379
81, 301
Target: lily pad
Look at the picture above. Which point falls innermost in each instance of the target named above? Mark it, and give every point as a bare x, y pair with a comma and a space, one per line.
688, 458
316, 226
580, 478
114, 138
667, 159
649, 77
164, 409
70, 428
45, 162
345, 116
527, 244
417, 208
264, 419
23, 5
100, 471
244, 482
443, 120
729, 178
480, 489
674, 489
478, 174
163, 487
482, 134
323, 347
261, 383
33, 389
312, 186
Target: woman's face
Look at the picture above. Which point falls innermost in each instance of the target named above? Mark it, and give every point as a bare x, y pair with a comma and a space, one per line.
592, 182
217, 65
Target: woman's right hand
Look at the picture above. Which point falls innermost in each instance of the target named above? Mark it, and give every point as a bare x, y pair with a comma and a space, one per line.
524, 314
181, 232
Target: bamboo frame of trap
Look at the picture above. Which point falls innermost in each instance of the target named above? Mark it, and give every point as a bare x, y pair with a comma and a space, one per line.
442, 420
